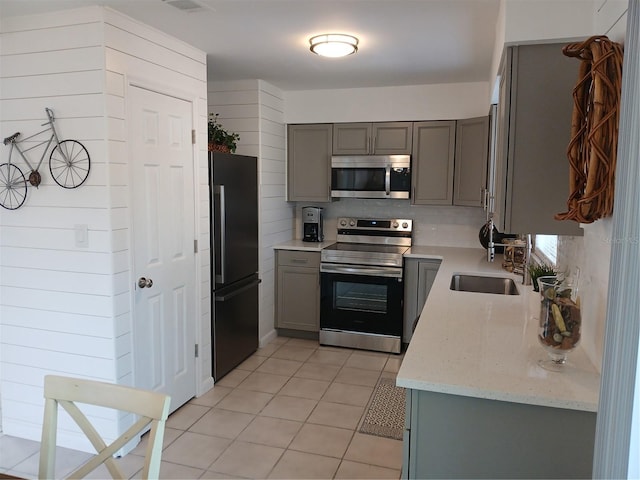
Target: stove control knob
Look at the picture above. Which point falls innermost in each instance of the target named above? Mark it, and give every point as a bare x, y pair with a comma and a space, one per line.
352, 222
396, 224
405, 225
343, 223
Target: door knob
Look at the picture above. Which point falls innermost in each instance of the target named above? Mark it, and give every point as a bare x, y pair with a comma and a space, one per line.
145, 282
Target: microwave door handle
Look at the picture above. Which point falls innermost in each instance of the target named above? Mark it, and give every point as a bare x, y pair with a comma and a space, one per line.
387, 180
221, 234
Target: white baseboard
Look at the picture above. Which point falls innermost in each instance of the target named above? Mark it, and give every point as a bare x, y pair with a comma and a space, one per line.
269, 337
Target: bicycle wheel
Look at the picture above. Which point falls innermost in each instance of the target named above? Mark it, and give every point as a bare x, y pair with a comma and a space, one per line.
69, 164
13, 186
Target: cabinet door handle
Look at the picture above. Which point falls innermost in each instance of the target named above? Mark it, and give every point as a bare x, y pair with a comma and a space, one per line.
299, 260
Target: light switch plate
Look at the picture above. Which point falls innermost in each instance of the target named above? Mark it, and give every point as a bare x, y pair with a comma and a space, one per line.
82, 236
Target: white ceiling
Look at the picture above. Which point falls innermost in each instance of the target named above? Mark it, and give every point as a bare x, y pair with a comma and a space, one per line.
402, 42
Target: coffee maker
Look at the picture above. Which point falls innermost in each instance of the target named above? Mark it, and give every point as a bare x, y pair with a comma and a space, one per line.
312, 224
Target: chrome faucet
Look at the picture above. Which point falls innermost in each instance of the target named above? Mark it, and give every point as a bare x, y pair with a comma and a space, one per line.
491, 253
524, 267
491, 250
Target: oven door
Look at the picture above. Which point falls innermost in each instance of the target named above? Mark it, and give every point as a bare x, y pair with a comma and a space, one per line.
361, 299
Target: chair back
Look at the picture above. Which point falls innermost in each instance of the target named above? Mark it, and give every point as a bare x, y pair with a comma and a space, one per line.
152, 408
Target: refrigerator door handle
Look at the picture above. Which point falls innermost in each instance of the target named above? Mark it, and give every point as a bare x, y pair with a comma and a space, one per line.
221, 234
229, 296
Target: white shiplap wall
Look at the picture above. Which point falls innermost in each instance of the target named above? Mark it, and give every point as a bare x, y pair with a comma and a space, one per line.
255, 110
56, 301
67, 309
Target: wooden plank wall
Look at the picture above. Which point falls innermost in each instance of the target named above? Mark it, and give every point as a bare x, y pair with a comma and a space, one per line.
255, 110
67, 309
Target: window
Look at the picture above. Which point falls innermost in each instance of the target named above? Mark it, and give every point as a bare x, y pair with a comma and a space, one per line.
547, 247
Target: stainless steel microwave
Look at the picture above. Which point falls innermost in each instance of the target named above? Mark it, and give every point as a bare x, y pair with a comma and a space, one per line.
371, 176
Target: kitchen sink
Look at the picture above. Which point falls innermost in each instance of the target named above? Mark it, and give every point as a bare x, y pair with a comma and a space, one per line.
481, 284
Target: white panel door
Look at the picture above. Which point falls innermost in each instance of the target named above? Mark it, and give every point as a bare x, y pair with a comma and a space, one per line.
163, 230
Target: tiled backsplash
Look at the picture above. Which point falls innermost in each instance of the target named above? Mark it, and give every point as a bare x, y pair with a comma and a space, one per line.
432, 225
591, 254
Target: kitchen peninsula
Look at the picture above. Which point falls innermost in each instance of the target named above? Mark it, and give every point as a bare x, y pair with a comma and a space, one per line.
478, 403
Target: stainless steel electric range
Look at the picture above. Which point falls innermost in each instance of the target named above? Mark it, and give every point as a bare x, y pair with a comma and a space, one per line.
362, 290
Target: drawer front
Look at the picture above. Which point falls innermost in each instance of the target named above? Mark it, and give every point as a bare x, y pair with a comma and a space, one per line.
297, 258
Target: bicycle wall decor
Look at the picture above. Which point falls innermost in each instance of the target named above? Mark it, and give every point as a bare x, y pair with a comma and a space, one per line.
69, 164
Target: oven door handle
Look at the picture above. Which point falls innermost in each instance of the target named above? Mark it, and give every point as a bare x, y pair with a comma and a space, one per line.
366, 271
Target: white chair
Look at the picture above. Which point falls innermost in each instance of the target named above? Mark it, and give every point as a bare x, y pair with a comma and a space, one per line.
151, 407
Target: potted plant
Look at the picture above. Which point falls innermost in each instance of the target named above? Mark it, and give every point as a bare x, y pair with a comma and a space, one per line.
537, 270
219, 139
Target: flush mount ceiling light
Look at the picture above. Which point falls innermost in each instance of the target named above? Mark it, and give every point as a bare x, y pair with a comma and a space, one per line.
184, 5
333, 45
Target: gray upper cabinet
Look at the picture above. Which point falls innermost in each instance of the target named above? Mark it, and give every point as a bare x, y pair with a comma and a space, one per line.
309, 162
432, 162
472, 148
435, 147
379, 138
534, 129
352, 138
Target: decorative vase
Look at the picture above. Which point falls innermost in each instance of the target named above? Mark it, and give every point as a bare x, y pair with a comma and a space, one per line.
560, 321
215, 147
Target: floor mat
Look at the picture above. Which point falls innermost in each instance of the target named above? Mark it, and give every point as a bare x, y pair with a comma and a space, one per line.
385, 412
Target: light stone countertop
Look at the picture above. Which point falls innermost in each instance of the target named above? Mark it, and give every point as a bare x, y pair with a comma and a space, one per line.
485, 345
304, 246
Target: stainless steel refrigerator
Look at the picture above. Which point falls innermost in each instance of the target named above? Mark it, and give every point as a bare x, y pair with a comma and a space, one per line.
233, 187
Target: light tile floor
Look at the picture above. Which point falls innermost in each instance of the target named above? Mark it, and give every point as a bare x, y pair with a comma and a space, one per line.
289, 411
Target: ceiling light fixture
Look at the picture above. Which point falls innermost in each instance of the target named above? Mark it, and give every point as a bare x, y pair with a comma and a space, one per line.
184, 5
333, 45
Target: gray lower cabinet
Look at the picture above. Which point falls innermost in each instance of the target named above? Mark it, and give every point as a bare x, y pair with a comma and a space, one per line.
309, 162
378, 138
534, 129
451, 436
298, 290
419, 275
472, 151
432, 162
